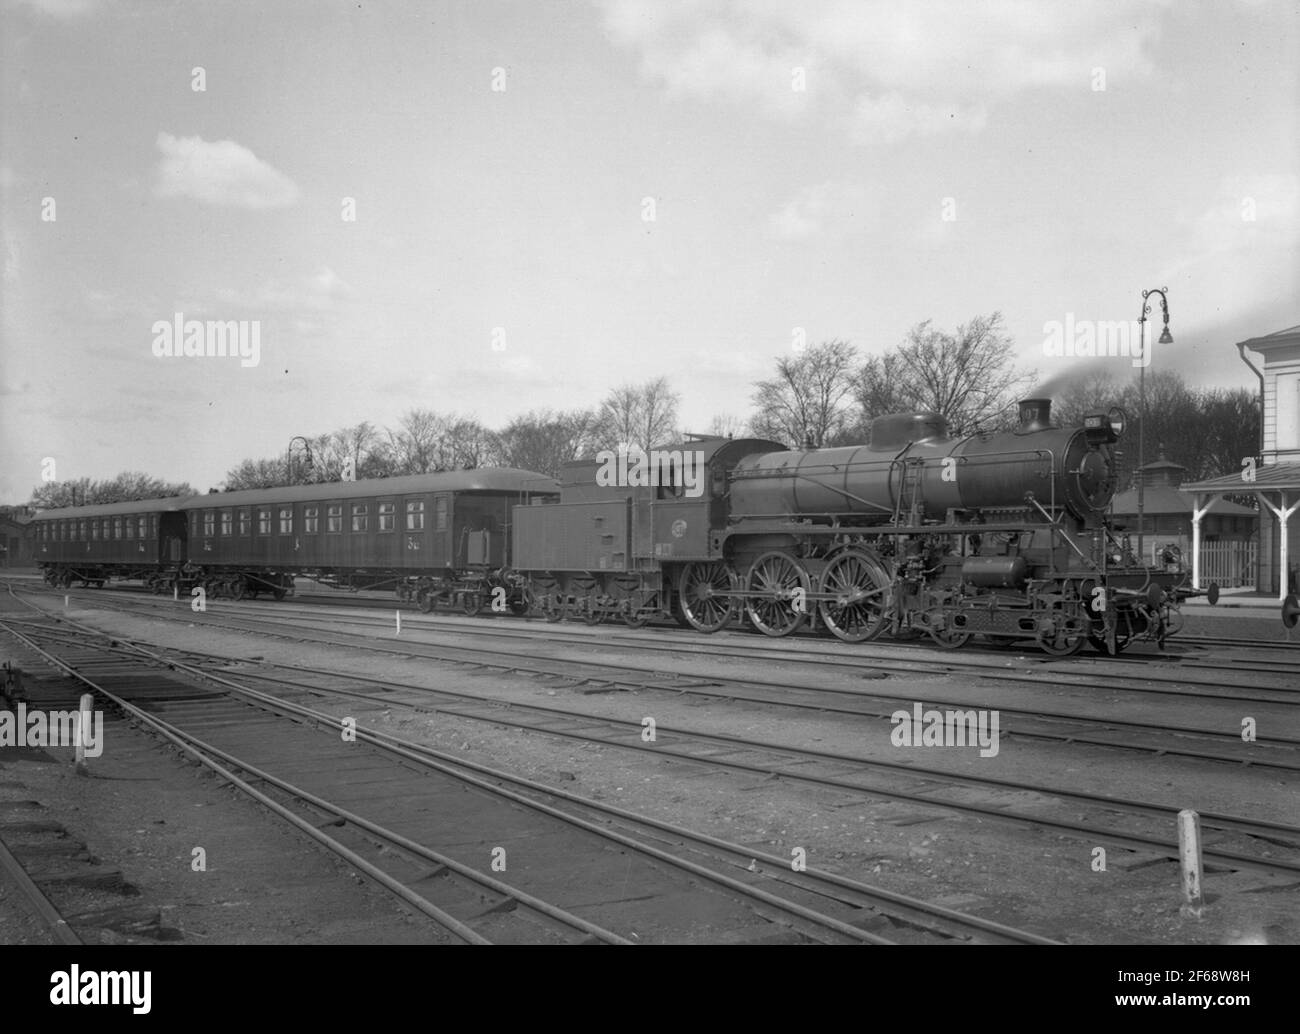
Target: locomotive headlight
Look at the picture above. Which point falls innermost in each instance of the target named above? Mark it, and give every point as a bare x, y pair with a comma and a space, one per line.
1098, 430
1117, 419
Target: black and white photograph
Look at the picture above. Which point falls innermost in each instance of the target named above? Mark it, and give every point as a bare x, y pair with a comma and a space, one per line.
722, 477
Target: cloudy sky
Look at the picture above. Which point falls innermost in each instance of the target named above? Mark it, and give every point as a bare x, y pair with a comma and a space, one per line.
848, 168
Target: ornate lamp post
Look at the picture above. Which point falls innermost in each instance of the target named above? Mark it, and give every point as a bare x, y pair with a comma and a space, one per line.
1165, 339
288, 460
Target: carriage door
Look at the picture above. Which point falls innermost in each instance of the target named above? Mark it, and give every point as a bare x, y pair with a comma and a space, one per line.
171, 538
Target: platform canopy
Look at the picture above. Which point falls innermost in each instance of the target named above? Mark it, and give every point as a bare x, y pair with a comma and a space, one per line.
1276, 486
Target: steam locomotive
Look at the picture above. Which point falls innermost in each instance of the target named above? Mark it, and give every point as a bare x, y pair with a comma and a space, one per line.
1002, 535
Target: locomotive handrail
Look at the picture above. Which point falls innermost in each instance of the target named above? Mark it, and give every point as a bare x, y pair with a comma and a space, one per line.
842, 491
1052, 523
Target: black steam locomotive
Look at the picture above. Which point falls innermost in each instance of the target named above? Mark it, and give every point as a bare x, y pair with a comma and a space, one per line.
1000, 535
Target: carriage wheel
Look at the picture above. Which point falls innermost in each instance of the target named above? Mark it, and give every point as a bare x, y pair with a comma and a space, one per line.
704, 596
472, 604
591, 613
279, 592
424, 600
239, 590
775, 577
520, 602
859, 584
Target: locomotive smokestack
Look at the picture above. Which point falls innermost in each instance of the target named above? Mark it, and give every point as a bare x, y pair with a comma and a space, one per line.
1035, 414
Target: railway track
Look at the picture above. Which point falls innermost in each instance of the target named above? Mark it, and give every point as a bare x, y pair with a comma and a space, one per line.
821, 768
1130, 676
291, 753
1269, 750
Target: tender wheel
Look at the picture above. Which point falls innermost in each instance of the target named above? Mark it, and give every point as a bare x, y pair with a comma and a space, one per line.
279, 592
860, 584
704, 596
239, 590
424, 600
776, 578
520, 603
591, 612
554, 607
472, 604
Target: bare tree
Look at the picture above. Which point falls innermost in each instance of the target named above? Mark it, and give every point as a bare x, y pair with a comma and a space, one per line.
257, 474
544, 441
128, 486
968, 377
414, 444
643, 416
724, 425
807, 397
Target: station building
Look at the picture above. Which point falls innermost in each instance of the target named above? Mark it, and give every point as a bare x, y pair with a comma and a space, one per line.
1274, 477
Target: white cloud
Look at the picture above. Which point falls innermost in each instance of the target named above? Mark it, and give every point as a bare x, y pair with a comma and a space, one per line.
825, 210
60, 8
323, 290
883, 68
221, 172
892, 117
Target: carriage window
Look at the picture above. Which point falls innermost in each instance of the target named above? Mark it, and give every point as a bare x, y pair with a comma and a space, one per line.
264, 521
209, 523
81, 530
286, 520
94, 527
245, 522
117, 527
440, 514
360, 522
128, 527
227, 521
415, 515
144, 527
387, 516
311, 519
334, 517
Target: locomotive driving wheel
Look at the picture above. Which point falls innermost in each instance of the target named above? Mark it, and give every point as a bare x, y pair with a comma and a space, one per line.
777, 585
860, 585
704, 596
